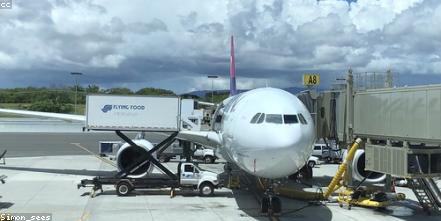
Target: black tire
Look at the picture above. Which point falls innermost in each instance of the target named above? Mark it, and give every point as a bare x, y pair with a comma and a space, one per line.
276, 205
164, 159
311, 164
227, 167
161, 159
294, 176
206, 189
264, 205
208, 159
123, 188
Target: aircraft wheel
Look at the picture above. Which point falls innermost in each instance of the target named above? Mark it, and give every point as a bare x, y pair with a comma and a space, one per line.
276, 205
264, 206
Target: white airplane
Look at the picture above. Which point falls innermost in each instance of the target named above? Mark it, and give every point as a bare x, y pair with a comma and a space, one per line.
267, 132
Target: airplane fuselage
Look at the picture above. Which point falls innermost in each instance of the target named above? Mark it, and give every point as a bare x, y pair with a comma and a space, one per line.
267, 132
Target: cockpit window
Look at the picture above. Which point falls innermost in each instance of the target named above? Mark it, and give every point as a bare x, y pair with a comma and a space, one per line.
261, 118
302, 119
274, 118
255, 118
290, 119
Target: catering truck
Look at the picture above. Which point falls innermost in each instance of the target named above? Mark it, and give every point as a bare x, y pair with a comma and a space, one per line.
136, 159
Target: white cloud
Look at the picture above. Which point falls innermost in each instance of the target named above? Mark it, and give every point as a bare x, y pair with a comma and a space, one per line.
369, 15
110, 61
161, 41
6, 61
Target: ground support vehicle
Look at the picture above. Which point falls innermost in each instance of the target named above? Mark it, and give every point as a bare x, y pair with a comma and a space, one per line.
189, 176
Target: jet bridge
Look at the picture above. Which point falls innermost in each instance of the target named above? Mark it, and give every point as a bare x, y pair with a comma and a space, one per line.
397, 123
401, 126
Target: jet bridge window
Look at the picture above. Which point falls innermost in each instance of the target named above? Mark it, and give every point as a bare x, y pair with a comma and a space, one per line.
255, 118
274, 118
290, 119
302, 119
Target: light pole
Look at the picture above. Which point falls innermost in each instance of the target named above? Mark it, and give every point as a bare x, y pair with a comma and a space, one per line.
212, 83
76, 74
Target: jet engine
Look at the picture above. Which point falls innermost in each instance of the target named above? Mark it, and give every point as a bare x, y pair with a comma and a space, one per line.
359, 172
128, 154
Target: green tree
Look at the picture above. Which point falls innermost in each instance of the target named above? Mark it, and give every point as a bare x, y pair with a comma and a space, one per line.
119, 90
51, 106
93, 89
217, 96
154, 91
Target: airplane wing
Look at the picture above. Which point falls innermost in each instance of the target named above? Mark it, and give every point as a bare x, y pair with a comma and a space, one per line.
71, 117
203, 103
206, 138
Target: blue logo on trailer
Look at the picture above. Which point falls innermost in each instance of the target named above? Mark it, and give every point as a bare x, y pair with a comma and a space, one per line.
106, 108
109, 107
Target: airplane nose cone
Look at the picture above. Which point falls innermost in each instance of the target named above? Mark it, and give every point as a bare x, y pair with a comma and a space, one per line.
288, 153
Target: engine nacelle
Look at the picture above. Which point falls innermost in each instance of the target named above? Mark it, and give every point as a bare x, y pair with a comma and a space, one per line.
128, 154
359, 172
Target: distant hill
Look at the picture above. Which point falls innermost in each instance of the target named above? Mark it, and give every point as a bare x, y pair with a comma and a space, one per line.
204, 93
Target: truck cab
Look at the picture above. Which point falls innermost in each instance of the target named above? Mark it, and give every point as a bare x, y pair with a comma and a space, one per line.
204, 153
192, 176
327, 153
318, 150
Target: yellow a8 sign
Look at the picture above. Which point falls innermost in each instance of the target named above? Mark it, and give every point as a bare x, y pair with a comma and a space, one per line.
311, 79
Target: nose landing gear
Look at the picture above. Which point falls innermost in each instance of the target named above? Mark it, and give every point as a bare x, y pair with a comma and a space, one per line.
270, 203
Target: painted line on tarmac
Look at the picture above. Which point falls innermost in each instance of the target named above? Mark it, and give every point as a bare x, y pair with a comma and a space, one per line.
162, 134
93, 154
84, 217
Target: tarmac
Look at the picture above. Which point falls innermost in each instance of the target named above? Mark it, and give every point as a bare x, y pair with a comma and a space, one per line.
48, 185
44, 169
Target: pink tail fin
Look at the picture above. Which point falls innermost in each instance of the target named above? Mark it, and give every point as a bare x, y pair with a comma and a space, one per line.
233, 90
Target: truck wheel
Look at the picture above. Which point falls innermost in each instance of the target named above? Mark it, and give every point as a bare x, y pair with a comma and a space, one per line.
164, 159
123, 188
311, 164
208, 159
206, 189
161, 159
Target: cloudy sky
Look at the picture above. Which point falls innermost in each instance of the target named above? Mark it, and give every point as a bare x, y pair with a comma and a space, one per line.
175, 44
